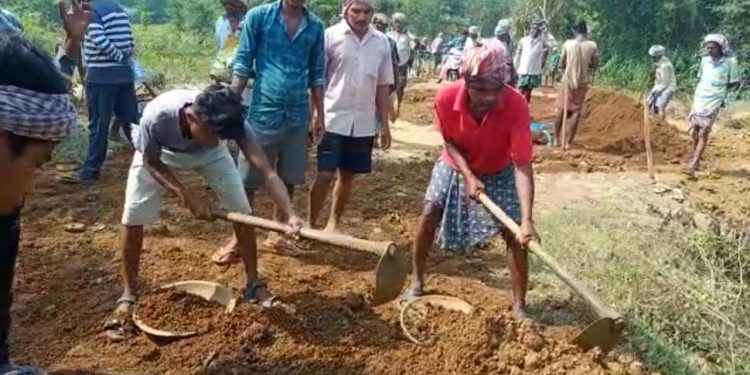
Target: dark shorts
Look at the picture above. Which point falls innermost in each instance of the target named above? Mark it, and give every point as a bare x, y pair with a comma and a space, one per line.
350, 154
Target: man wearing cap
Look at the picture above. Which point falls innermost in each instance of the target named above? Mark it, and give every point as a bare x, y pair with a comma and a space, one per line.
665, 82
718, 74
359, 73
502, 33
472, 39
487, 149
403, 42
35, 115
531, 58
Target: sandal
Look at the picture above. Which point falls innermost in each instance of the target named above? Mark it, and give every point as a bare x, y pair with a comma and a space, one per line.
225, 258
251, 292
120, 326
413, 293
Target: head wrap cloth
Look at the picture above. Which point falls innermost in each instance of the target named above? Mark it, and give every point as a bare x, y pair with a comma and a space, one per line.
347, 3
27, 113
719, 39
485, 62
399, 17
503, 27
656, 51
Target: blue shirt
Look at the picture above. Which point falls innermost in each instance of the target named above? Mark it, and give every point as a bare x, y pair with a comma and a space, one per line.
286, 68
109, 45
9, 22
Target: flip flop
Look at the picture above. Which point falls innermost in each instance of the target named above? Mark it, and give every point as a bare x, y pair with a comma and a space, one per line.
222, 258
119, 326
251, 292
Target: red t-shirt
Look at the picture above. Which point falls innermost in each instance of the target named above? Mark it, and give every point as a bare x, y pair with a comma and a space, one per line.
504, 136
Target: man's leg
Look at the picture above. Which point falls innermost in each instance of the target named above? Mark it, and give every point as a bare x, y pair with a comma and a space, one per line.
425, 238
126, 109
700, 140
292, 163
329, 161
356, 158
142, 206
574, 120
342, 191
317, 196
527, 94
101, 101
518, 265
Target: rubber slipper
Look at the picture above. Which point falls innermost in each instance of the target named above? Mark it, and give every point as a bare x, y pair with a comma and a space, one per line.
413, 293
223, 258
251, 292
120, 326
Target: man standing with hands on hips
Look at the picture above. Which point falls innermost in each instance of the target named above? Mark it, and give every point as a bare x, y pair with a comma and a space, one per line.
359, 74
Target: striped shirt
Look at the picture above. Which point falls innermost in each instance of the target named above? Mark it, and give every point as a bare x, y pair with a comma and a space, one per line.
286, 67
109, 44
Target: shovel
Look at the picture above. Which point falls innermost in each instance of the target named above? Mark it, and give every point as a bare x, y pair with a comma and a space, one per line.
603, 333
390, 274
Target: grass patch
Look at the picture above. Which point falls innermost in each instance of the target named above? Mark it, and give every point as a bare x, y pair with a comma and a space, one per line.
684, 294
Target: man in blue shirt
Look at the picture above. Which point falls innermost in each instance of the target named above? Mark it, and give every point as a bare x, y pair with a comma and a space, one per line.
9, 22
284, 42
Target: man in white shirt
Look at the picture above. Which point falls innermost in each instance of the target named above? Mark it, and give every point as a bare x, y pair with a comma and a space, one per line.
359, 73
530, 59
471, 40
665, 83
403, 42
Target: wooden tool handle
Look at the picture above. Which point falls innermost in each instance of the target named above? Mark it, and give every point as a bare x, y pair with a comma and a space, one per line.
600, 309
647, 140
342, 240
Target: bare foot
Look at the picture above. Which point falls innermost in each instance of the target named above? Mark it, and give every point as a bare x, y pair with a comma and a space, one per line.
282, 245
331, 228
519, 312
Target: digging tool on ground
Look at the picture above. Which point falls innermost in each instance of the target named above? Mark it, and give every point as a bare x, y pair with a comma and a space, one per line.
564, 137
390, 274
603, 333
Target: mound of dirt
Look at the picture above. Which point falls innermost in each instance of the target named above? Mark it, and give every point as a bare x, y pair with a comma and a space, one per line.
497, 344
613, 123
178, 312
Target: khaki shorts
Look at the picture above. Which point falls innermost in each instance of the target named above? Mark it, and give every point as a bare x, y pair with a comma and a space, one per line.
215, 165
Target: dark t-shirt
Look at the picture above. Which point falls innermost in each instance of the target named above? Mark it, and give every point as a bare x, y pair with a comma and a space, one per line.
10, 233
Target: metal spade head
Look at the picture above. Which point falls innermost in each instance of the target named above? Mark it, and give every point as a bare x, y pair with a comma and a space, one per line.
390, 276
603, 333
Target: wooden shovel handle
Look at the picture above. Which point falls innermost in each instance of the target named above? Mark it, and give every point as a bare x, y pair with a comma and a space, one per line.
600, 309
342, 240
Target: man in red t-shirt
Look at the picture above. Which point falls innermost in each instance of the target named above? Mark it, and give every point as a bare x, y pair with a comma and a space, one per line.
488, 148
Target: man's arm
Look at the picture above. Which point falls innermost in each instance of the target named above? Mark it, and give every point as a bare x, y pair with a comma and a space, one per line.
517, 57
164, 175
524, 175
273, 183
246, 52
317, 71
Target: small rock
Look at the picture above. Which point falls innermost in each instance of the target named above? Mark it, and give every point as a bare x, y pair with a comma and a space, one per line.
532, 341
636, 368
678, 195
152, 355
532, 360
516, 371
255, 333
354, 301
98, 227
75, 228
377, 230
661, 189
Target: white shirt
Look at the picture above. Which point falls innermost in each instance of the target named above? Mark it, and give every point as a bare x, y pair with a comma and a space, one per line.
354, 70
469, 44
530, 54
403, 44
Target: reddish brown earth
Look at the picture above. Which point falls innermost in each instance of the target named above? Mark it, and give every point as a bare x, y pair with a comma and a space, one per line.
67, 283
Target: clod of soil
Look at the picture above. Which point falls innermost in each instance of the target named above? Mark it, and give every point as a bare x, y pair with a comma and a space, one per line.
178, 312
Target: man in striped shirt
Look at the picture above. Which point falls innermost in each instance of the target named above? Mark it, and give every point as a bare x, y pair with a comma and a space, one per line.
110, 87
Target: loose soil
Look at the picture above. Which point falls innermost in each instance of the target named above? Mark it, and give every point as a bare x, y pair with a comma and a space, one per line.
67, 283
178, 312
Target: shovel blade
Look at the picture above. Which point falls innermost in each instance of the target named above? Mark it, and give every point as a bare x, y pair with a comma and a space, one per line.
603, 333
390, 277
